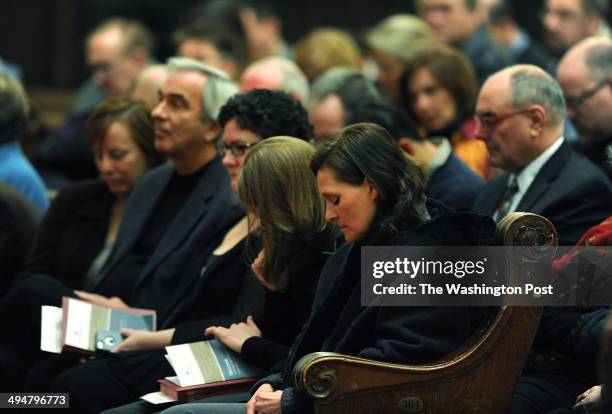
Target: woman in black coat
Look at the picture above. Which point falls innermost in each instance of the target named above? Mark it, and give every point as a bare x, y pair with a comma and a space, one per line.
79, 229
375, 195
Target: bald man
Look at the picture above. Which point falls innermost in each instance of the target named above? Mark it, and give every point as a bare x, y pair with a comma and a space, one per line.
585, 75
276, 73
520, 112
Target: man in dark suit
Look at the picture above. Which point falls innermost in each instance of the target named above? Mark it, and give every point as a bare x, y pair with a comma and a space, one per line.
181, 208
520, 113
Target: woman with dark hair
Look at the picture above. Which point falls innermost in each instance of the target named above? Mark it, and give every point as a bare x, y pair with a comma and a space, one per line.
439, 89
375, 195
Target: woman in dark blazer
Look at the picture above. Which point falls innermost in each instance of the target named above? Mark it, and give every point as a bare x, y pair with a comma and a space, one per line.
375, 195
76, 235
83, 220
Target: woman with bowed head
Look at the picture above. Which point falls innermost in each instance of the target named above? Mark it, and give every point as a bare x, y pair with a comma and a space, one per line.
79, 229
375, 196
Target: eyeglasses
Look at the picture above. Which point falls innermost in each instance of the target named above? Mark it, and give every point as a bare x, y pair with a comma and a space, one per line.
490, 119
575, 102
237, 148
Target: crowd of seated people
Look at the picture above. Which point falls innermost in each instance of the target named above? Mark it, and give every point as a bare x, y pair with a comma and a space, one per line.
237, 212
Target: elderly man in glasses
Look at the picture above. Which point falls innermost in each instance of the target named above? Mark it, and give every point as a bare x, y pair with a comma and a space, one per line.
520, 113
585, 75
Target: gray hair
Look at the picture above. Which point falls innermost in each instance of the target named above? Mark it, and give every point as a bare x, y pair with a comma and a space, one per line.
217, 90
349, 80
528, 87
15, 111
599, 60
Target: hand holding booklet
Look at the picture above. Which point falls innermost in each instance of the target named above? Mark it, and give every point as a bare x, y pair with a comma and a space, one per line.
206, 369
74, 327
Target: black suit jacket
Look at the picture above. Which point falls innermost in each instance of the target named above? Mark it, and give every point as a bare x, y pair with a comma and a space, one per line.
72, 233
569, 191
209, 211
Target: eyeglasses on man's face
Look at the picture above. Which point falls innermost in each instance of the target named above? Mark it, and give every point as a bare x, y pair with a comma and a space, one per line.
575, 102
490, 119
237, 148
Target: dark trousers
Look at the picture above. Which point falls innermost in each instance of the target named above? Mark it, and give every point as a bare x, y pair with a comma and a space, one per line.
20, 320
550, 393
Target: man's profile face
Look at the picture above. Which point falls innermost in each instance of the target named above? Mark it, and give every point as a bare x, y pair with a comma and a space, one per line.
179, 128
451, 20
111, 65
565, 23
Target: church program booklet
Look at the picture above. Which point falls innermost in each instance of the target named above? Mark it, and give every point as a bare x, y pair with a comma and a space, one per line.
205, 369
82, 320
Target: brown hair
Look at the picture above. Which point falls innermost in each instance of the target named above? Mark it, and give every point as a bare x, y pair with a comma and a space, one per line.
451, 69
135, 115
277, 183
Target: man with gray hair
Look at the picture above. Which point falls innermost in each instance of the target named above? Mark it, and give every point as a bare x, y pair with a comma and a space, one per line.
185, 204
585, 75
520, 112
276, 73
176, 211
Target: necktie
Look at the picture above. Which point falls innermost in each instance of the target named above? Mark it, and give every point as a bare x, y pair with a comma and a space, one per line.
506, 201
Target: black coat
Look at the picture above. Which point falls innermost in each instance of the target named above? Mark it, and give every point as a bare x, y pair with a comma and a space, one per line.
339, 323
454, 184
197, 228
18, 223
72, 233
569, 191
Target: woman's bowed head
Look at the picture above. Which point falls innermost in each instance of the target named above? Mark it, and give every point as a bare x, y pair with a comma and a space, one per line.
372, 191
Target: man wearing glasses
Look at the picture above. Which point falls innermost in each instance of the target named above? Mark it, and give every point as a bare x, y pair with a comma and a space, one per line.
566, 22
116, 52
520, 112
585, 75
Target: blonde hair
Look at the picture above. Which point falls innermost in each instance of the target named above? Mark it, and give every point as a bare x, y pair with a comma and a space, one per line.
325, 48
